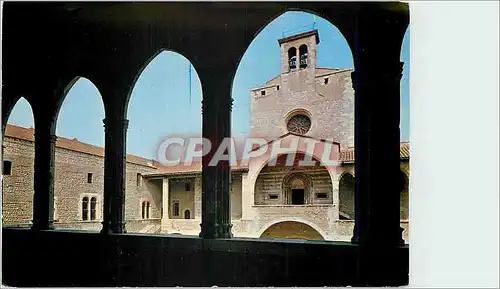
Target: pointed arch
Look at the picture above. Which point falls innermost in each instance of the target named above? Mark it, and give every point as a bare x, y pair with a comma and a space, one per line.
405, 88
18, 152
346, 196
263, 54
81, 112
80, 134
165, 100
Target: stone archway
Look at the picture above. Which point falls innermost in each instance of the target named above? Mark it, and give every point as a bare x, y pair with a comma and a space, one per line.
291, 230
297, 189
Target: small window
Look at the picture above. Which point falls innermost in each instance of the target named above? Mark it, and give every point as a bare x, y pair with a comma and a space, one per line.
321, 195
187, 186
326, 80
187, 214
139, 179
93, 203
176, 208
89, 178
273, 197
262, 92
143, 215
148, 208
85, 209
7, 168
278, 87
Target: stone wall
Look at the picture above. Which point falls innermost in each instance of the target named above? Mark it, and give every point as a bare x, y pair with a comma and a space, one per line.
71, 184
178, 193
272, 184
17, 188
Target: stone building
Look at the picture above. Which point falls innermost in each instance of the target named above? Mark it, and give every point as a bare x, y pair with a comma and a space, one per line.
78, 185
304, 103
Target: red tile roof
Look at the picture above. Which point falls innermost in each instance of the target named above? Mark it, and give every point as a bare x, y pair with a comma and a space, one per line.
13, 131
27, 134
347, 155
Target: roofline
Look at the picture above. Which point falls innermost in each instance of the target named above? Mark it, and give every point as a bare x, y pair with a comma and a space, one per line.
72, 150
187, 173
333, 71
295, 134
351, 162
265, 86
300, 35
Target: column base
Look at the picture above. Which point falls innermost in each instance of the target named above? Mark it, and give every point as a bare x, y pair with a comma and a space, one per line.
376, 241
43, 226
225, 230
208, 231
113, 228
216, 231
370, 239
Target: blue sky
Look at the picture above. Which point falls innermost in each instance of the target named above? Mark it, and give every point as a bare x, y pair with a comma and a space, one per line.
161, 103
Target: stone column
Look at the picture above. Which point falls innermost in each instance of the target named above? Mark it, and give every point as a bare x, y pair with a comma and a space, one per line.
376, 81
165, 205
43, 201
216, 180
115, 131
247, 197
197, 197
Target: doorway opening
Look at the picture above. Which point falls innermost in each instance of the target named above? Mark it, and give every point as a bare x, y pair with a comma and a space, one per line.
297, 196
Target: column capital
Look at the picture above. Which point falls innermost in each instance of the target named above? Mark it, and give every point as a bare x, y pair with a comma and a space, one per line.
53, 138
110, 122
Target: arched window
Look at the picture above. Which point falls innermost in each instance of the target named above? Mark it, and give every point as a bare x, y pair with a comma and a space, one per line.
93, 202
176, 208
187, 214
146, 208
292, 58
303, 55
85, 209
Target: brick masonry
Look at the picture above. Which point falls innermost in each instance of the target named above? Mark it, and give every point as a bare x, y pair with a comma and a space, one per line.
70, 187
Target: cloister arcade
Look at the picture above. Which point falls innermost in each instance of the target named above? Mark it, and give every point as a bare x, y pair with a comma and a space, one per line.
46, 45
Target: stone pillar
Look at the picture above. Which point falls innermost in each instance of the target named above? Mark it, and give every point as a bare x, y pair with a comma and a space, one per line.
165, 199
216, 180
115, 131
43, 201
165, 219
247, 197
376, 81
197, 198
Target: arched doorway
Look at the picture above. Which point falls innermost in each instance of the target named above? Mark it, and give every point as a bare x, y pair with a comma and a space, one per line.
296, 189
346, 197
291, 230
18, 151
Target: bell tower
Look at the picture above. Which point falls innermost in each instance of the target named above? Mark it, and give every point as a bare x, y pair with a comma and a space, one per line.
298, 52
